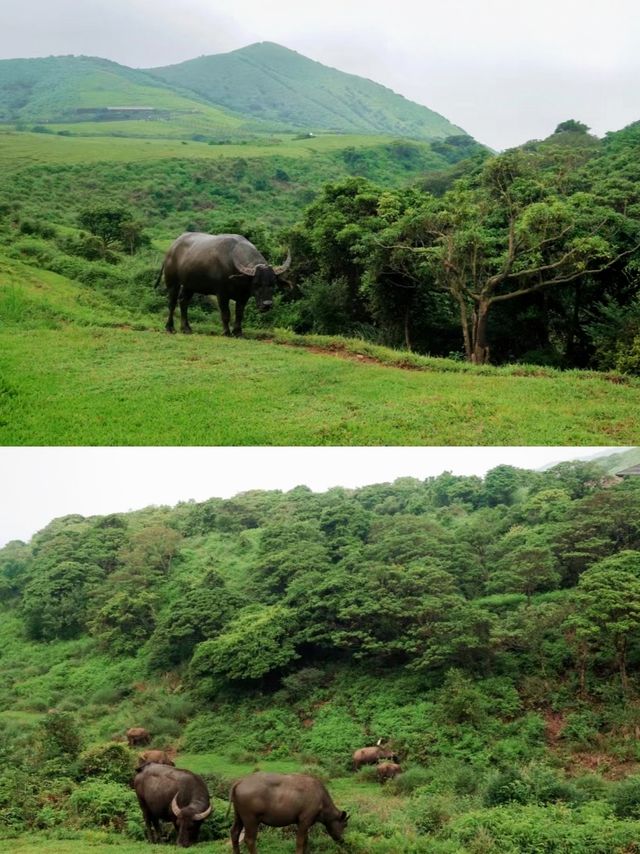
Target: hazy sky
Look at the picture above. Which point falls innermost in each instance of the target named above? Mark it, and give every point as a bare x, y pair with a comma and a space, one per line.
504, 70
43, 483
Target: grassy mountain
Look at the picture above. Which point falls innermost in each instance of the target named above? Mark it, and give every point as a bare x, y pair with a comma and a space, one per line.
92, 94
273, 82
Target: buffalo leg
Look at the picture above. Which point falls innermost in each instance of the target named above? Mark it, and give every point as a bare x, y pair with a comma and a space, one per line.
250, 834
237, 326
225, 314
236, 832
173, 301
302, 839
185, 299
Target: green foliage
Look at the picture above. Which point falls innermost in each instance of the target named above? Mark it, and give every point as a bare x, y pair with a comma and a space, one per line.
109, 805
111, 761
258, 640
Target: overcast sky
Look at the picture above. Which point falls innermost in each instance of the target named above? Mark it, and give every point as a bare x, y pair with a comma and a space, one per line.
43, 483
504, 70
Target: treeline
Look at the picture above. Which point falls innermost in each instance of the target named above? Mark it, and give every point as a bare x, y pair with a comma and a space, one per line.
528, 256
520, 572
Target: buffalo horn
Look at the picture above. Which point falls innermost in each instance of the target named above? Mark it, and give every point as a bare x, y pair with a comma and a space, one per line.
246, 271
202, 815
175, 809
282, 269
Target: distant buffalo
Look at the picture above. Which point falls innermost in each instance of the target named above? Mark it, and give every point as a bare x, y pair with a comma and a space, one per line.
172, 794
278, 800
371, 755
138, 735
225, 265
159, 756
387, 771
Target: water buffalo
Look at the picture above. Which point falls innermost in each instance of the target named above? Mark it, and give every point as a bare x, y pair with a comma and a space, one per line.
371, 755
159, 756
225, 265
138, 735
387, 771
172, 794
279, 800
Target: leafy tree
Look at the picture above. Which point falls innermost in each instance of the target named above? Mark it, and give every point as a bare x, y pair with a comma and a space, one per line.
114, 226
608, 607
259, 640
148, 553
509, 235
199, 613
54, 604
125, 621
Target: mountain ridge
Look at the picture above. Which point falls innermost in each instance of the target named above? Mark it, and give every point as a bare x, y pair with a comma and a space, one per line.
323, 97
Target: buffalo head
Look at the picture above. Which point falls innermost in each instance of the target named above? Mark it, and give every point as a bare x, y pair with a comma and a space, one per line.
264, 279
337, 826
188, 822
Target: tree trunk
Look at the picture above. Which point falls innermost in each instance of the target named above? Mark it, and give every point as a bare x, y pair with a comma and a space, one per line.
407, 336
480, 352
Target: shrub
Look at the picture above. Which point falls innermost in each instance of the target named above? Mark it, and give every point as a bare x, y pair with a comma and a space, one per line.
625, 798
412, 779
430, 812
111, 761
103, 803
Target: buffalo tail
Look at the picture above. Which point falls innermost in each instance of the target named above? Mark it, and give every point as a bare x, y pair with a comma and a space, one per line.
159, 276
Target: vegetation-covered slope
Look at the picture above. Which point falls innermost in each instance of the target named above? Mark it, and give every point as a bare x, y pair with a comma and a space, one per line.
487, 628
272, 82
88, 94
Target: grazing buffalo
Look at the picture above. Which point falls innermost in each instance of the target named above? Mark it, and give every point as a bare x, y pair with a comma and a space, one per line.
371, 755
279, 800
387, 771
172, 794
138, 735
226, 265
159, 756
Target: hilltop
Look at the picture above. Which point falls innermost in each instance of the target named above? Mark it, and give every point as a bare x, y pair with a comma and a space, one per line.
269, 81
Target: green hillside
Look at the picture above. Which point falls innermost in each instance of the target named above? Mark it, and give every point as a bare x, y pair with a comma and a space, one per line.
488, 629
272, 82
89, 95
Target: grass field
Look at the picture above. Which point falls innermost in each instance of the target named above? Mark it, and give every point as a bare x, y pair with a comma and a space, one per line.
73, 371
89, 386
21, 150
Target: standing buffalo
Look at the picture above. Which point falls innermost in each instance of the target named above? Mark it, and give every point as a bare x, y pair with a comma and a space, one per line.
387, 771
226, 265
172, 794
138, 735
159, 756
370, 755
279, 800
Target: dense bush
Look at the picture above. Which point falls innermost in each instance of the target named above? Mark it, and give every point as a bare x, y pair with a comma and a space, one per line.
103, 803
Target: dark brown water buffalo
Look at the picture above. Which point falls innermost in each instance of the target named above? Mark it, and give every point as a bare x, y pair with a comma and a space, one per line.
172, 794
138, 735
225, 265
279, 800
159, 756
387, 771
371, 755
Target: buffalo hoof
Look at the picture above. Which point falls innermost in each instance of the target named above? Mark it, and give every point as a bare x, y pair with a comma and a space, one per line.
187, 331
170, 330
